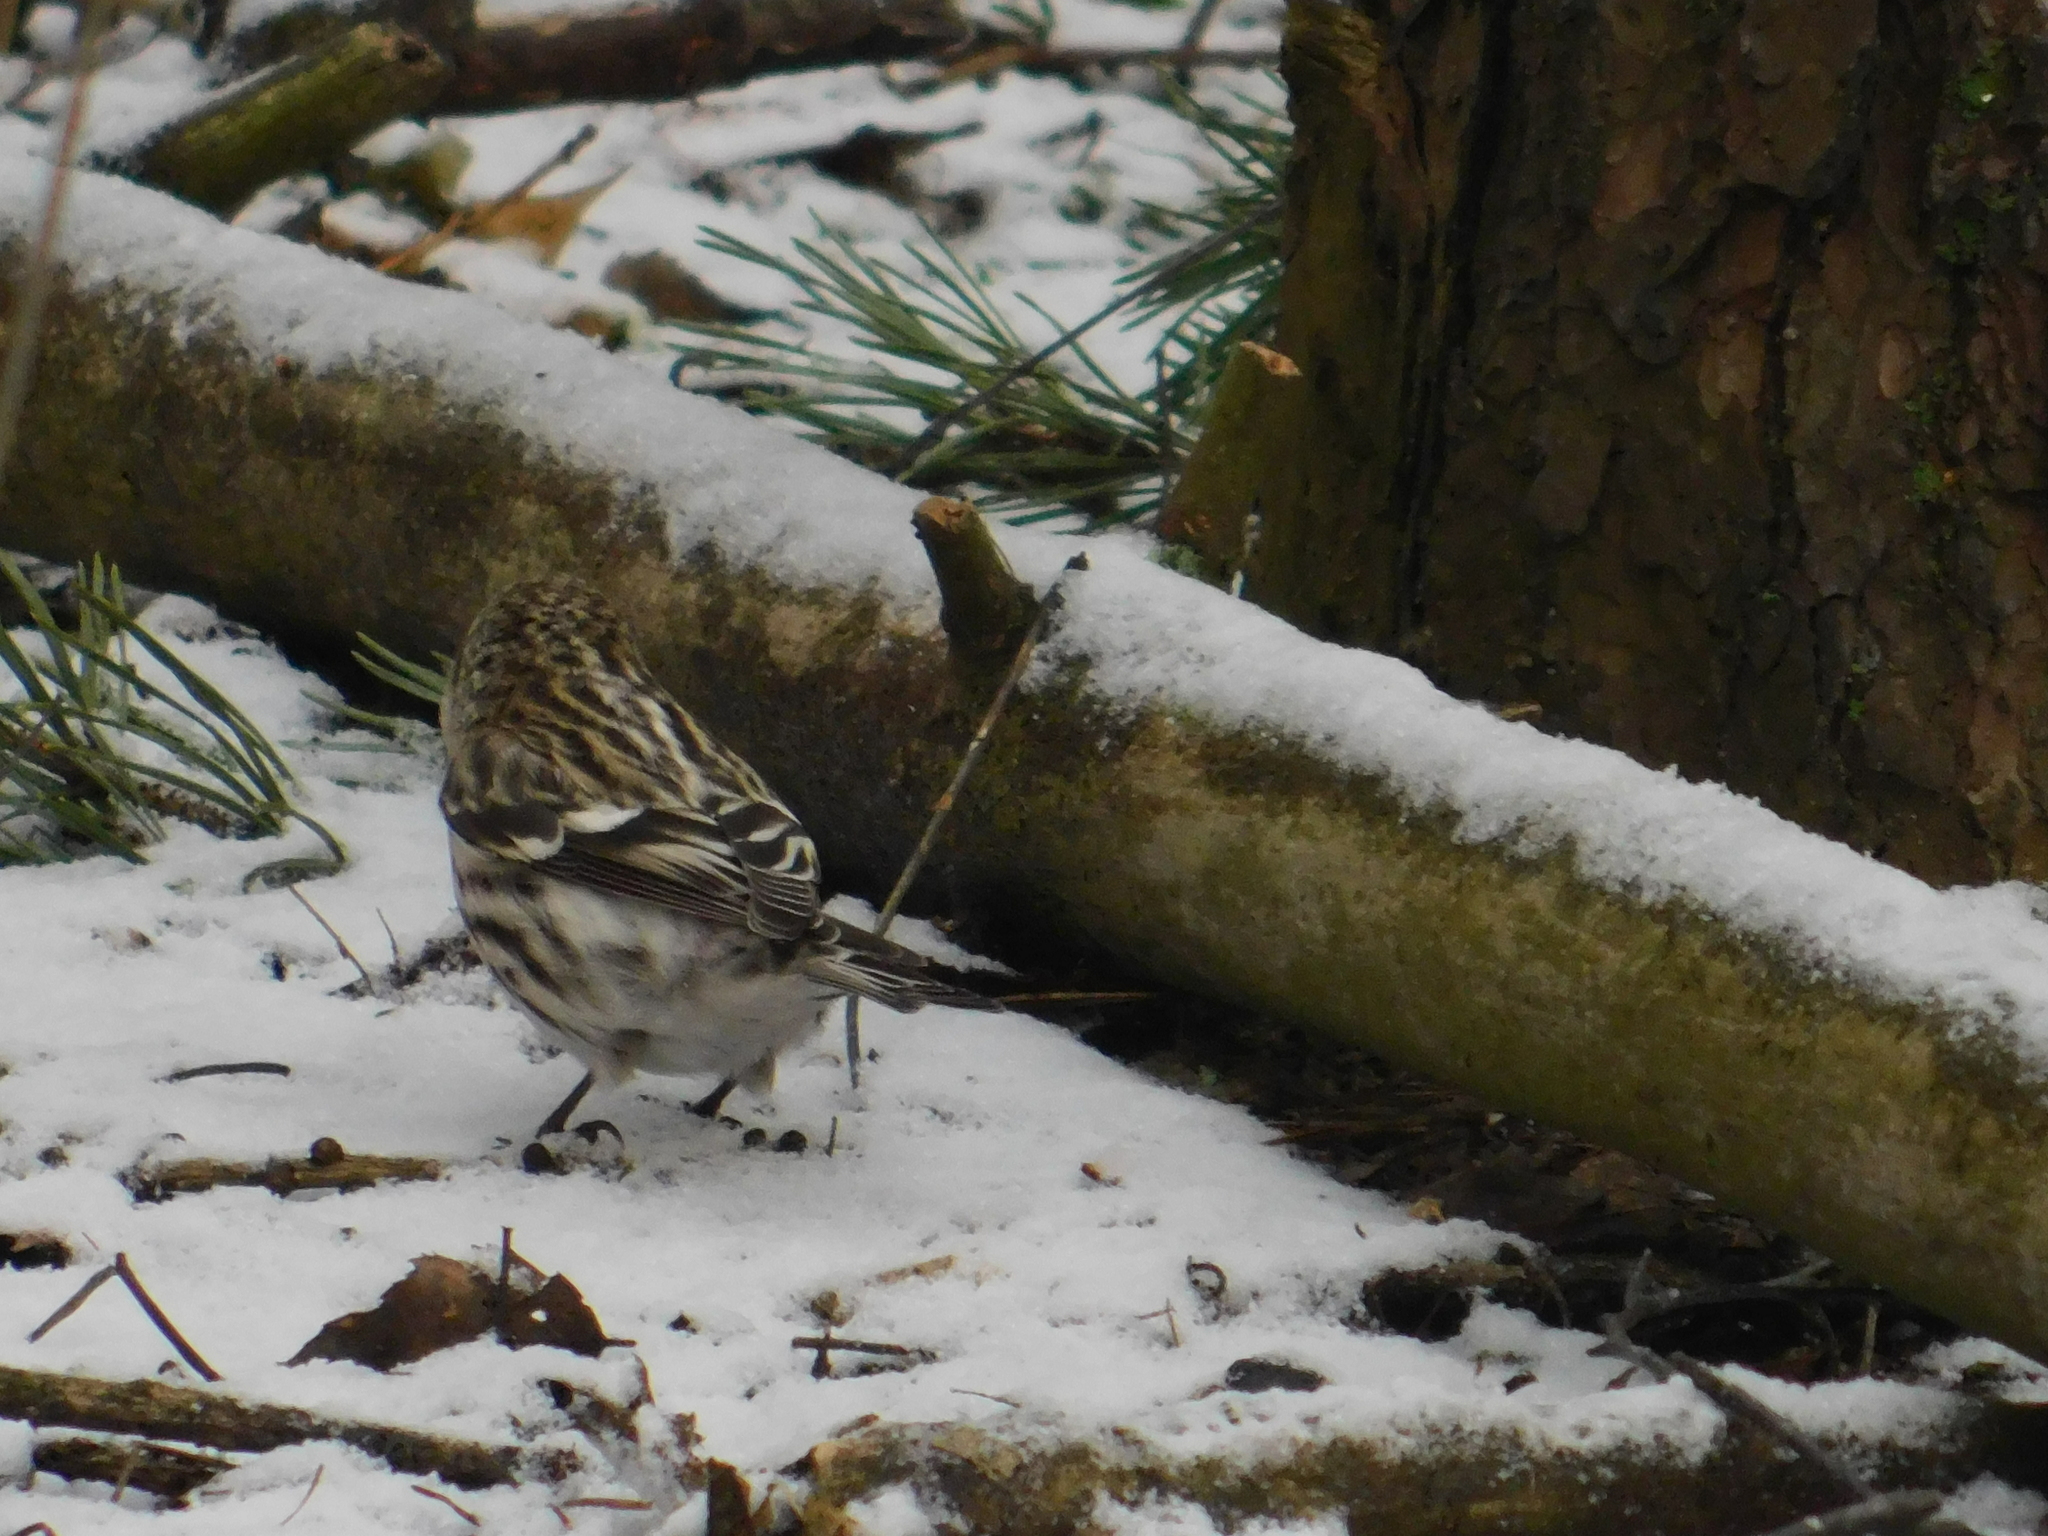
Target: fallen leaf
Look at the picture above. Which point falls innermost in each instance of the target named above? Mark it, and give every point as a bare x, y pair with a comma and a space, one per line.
443, 1302
545, 223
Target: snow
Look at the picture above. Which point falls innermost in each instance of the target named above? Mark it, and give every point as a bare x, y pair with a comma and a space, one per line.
952, 1215
967, 1139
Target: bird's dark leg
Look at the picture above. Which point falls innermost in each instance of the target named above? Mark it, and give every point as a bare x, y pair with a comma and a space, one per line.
559, 1120
712, 1102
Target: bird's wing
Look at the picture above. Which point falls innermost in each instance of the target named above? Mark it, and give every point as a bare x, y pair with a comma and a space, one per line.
719, 854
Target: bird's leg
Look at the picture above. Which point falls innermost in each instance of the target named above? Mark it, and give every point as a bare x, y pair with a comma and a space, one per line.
712, 1102
559, 1120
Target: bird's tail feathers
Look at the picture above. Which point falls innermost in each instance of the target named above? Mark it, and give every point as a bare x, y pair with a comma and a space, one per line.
854, 960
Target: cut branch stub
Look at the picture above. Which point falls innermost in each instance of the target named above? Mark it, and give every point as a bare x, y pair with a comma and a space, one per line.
984, 609
298, 117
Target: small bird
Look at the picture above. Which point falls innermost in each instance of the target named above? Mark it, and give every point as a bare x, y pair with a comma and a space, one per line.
641, 893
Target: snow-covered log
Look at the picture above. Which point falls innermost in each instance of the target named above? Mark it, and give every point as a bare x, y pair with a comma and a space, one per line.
1659, 965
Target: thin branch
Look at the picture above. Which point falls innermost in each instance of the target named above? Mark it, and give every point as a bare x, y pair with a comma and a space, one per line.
409, 259
318, 1473
164, 1325
426, 1492
230, 1069
1054, 597
39, 277
339, 942
1198, 28
78, 1299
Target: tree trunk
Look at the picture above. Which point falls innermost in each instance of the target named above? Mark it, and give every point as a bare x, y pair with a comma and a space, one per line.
1676, 366
322, 450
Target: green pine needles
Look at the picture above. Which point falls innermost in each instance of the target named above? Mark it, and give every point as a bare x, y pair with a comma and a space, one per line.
106, 735
1061, 437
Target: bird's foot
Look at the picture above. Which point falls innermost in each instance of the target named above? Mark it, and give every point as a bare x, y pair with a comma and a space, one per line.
538, 1156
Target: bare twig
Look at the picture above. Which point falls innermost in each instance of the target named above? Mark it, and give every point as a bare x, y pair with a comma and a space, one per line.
1198, 28
164, 1325
1172, 1322
78, 1299
409, 259
39, 277
229, 1069
318, 1473
824, 1344
281, 1176
1871, 1514
1048, 606
339, 942
430, 1493
1007, 1402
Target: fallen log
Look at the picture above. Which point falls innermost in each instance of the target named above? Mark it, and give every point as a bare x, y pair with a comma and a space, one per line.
1184, 782
661, 52
1010, 1482
298, 117
646, 52
161, 1411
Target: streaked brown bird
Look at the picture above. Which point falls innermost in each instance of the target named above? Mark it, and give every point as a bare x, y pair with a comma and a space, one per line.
641, 893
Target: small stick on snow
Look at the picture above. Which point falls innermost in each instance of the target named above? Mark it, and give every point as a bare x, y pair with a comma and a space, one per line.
229, 1069
156, 1315
78, 1299
428, 1493
1172, 1322
409, 259
318, 1473
824, 1344
992, 1397
1054, 597
339, 942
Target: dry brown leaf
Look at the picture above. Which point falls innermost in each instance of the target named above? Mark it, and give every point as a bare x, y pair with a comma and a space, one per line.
929, 1269
443, 1302
545, 223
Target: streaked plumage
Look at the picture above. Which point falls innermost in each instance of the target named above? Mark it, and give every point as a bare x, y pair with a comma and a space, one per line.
636, 887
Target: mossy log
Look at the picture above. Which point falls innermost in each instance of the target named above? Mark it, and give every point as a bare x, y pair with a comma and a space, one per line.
994, 1483
207, 431
297, 117
212, 1419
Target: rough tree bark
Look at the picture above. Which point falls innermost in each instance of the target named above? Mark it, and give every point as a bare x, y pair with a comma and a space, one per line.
1677, 365
179, 427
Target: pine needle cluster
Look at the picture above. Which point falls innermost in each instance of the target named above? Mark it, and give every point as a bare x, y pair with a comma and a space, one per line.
1063, 437
107, 735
